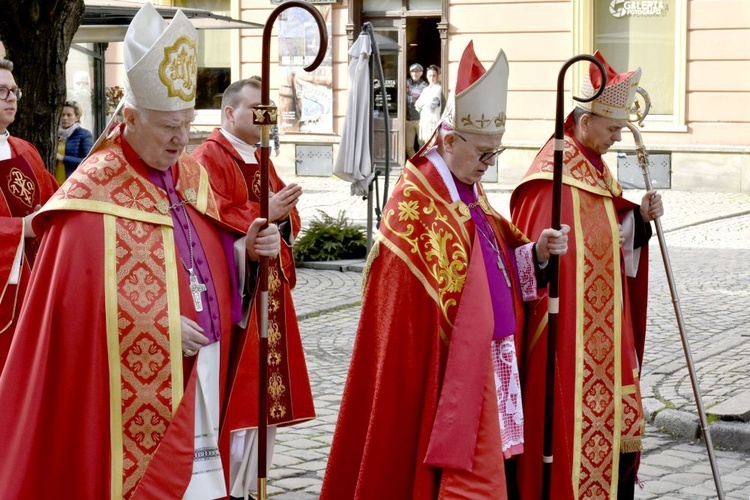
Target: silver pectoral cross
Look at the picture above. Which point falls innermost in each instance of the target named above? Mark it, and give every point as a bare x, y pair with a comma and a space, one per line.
196, 288
501, 266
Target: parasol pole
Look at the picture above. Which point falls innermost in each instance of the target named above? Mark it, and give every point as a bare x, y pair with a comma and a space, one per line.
376, 66
553, 301
264, 116
642, 154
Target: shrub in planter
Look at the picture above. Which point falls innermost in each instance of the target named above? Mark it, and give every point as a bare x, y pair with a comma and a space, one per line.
330, 238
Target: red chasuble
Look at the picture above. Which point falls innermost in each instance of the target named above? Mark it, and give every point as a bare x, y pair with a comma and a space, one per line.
419, 416
601, 332
98, 401
24, 184
237, 188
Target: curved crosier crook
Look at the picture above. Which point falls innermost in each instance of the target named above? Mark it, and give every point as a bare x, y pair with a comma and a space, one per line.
553, 301
268, 28
264, 116
635, 115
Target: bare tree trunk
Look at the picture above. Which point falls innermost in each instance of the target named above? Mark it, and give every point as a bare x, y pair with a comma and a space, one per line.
37, 35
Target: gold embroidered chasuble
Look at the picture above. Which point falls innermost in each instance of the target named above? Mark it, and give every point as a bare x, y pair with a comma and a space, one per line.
141, 296
597, 359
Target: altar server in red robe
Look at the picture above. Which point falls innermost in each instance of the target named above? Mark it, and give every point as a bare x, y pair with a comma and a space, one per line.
232, 163
25, 185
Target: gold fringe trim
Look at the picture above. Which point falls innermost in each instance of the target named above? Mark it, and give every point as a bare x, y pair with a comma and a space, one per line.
631, 445
374, 252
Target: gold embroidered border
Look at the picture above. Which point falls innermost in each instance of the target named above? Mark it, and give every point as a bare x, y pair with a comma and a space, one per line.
578, 402
113, 356
578, 172
429, 236
173, 312
145, 345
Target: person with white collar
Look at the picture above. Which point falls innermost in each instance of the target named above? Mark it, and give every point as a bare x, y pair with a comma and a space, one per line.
26, 184
232, 163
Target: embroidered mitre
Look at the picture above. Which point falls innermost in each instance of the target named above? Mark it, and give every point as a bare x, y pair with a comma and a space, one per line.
478, 103
161, 61
618, 94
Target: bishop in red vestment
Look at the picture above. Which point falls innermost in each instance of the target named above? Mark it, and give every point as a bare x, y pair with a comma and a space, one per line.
432, 404
231, 160
598, 418
122, 370
25, 185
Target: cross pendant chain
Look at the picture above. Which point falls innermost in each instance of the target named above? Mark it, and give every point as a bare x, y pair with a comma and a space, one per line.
196, 288
496, 248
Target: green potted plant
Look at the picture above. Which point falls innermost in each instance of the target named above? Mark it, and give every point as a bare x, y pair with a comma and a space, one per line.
328, 238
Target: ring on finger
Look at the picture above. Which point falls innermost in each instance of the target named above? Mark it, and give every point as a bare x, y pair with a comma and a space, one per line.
189, 353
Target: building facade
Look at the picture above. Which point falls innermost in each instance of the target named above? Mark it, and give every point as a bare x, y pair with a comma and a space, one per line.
695, 56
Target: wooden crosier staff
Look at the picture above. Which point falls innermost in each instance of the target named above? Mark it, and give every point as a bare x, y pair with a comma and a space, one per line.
553, 301
638, 116
264, 116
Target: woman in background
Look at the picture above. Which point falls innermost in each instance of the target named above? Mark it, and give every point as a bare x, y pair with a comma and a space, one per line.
74, 141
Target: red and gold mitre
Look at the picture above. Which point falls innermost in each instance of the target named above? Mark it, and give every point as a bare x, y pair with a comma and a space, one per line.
478, 103
618, 95
161, 61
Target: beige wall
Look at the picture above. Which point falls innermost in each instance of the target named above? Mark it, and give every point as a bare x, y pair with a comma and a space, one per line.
713, 136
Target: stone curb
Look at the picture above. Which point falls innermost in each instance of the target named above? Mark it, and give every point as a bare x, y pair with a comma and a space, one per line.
726, 435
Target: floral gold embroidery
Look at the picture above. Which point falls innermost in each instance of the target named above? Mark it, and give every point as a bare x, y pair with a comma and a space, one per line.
408, 210
427, 231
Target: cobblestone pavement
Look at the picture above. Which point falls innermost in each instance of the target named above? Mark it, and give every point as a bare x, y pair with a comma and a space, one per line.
709, 262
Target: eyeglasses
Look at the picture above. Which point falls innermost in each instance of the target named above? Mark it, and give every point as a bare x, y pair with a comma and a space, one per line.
484, 156
5, 92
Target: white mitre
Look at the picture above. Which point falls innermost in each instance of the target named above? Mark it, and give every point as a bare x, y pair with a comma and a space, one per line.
618, 94
478, 103
161, 61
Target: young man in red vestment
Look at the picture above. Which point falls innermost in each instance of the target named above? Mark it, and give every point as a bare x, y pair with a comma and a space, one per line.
231, 160
598, 419
118, 382
25, 185
432, 402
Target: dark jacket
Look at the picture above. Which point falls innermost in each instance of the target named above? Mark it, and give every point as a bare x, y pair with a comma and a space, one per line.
77, 147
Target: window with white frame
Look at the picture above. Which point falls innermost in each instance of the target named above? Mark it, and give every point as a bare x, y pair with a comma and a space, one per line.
643, 34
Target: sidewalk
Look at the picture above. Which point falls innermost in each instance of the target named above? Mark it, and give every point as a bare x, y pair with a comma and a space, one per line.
708, 238
699, 229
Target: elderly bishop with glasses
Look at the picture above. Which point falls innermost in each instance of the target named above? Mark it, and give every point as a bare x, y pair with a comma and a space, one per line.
432, 404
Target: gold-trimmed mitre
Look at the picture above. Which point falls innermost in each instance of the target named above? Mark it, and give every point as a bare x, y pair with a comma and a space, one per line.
478, 103
161, 61
618, 94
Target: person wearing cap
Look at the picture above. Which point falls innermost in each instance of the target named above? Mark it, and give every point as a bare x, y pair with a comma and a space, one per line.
414, 87
598, 417
123, 364
431, 405
25, 184
232, 163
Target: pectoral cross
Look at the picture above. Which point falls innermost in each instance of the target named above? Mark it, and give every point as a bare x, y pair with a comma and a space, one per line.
196, 289
501, 266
